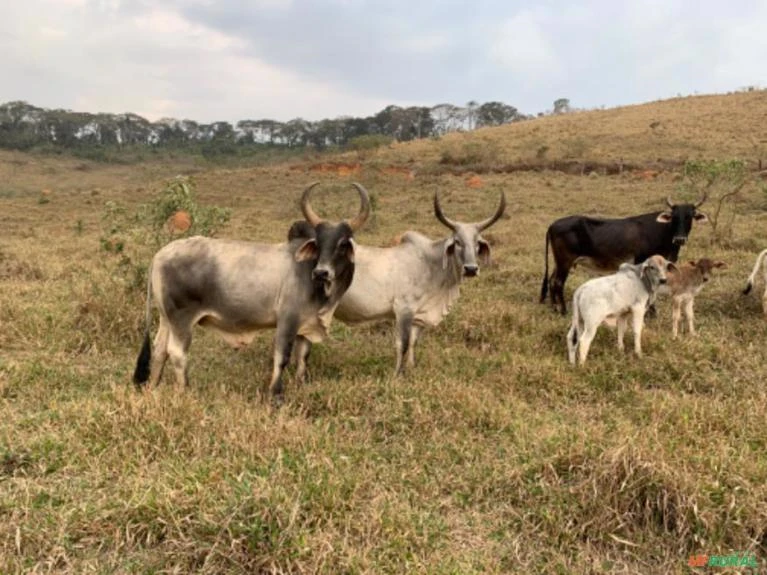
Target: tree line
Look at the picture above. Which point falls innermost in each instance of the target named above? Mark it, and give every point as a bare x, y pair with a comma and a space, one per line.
24, 126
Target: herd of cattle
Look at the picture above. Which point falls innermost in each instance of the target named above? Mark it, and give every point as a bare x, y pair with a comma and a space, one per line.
321, 272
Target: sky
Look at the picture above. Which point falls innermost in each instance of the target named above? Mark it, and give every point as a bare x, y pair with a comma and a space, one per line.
230, 60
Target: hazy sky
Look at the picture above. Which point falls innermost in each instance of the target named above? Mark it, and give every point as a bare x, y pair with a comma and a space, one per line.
229, 60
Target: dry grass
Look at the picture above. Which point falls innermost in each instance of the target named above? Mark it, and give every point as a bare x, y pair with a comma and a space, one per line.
493, 456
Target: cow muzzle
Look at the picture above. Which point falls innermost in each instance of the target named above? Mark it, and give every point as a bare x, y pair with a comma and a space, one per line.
679, 240
470, 271
662, 281
324, 277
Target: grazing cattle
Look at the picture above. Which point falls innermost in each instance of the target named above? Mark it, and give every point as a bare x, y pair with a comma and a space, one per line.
752, 278
612, 299
237, 288
684, 284
604, 244
414, 282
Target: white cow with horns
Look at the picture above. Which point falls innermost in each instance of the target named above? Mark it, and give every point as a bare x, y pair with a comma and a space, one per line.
414, 282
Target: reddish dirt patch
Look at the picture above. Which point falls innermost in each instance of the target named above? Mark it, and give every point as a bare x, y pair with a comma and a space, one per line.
343, 170
474, 182
407, 173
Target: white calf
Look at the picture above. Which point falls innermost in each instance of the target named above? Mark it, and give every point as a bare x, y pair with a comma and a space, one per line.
611, 299
752, 277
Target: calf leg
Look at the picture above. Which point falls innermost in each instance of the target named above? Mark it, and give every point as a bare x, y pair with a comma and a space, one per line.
622, 324
690, 313
303, 348
764, 300
637, 323
676, 315
415, 331
584, 342
403, 325
572, 342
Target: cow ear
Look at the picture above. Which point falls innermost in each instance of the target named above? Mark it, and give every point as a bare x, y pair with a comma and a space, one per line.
664, 218
307, 251
693, 263
483, 252
671, 267
448, 252
720, 264
700, 217
351, 250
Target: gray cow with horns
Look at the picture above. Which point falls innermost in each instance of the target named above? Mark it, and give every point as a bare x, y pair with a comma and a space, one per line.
238, 287
414, 282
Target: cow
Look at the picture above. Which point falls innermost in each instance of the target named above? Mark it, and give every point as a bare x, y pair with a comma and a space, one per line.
684, 284
612, 299
604, 244
239, 287
752, 279
414, 282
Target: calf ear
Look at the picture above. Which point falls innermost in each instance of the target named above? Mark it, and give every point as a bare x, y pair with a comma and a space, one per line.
671, 267
483, 252
720, 264
693, 263
307, 251
448, 252
664, 218
700, 217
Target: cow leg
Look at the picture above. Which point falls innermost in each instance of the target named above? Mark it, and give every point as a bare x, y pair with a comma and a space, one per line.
403, 325
303, 348
179, 340
283, 347
690, 313
676, 315
637, 323
622, 324
415, 332
559, 277
159, 353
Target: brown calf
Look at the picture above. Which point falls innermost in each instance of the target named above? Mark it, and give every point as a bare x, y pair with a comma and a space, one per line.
684, 284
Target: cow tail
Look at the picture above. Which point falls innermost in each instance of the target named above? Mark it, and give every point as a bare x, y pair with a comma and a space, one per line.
141, 373
752, 277
545, 284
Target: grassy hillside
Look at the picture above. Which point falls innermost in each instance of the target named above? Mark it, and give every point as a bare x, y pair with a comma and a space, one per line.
493, 456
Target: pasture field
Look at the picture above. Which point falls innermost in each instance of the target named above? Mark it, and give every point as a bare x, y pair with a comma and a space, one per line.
493, 456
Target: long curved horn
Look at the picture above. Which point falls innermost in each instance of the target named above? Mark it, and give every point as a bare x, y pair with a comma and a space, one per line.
310, 215
362, 217
703, 198
669, 203
441, 216
484, 224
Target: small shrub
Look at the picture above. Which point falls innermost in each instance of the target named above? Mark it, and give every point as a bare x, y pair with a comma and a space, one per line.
107, 303
722, 180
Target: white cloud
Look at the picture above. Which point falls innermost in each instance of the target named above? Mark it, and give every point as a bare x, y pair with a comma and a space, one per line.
522, 46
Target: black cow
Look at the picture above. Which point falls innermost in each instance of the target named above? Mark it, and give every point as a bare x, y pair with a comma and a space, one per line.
604, 244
